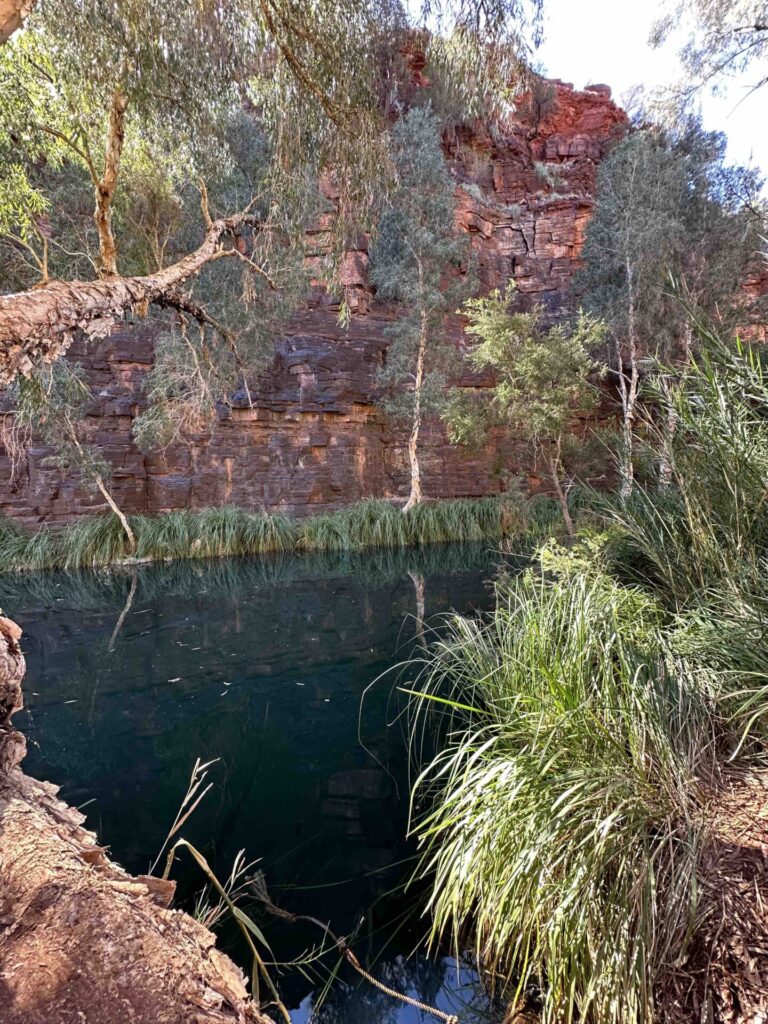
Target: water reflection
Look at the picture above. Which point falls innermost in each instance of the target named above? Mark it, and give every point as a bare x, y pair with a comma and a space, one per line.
261, 664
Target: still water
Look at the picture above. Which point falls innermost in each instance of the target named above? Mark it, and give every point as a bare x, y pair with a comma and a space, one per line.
271, 668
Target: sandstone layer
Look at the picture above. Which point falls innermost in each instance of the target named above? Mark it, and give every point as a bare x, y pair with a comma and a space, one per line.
314, 438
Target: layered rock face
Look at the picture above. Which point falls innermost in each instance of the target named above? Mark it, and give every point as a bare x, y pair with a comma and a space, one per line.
313, 438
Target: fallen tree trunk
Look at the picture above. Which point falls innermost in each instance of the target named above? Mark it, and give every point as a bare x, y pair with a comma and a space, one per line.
37, 326
81, 940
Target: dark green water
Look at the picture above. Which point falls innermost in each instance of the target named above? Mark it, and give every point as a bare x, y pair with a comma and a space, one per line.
262, 665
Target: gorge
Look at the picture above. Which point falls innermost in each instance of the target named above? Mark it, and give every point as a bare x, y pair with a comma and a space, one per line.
312, 439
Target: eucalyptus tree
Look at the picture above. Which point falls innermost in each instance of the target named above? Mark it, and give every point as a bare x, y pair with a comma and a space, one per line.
631, 239
543, 381
727, 37
420, 263
667, 209
204, 137
95, 83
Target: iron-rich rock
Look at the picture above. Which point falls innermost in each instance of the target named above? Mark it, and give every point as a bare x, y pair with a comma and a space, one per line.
314, 438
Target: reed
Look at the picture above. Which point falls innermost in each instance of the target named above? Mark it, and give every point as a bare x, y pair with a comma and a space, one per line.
563, 805
584, 726
231, 531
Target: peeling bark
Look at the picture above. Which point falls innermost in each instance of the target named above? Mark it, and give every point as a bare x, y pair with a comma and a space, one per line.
106, 185
38, 326
80, 939
13, 14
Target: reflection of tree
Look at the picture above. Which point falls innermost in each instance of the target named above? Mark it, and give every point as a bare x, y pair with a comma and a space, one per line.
420, 587
126, 608
230, 578
431, 981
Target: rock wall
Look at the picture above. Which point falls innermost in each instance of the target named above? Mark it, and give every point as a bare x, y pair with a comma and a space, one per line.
314, 439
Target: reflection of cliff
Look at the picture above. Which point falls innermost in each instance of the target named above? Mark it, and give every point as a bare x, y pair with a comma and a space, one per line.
314, 439
268, 677
81, 939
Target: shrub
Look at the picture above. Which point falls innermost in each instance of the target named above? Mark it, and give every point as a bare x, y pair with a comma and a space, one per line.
561, 831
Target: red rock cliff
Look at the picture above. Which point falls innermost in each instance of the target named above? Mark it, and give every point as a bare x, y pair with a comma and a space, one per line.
314, 439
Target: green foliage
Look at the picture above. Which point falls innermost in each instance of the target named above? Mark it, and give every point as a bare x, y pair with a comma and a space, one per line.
562, 806
150, 112
542, 372
542, 379
417, 262
587, 722
668, 206
53, 401
321, 78
726, 37
705, 536
59, 76
231, 531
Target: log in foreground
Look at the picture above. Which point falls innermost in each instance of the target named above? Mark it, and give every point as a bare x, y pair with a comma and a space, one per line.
81, 940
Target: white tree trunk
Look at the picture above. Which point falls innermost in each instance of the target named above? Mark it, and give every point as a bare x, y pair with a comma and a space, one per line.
416, 496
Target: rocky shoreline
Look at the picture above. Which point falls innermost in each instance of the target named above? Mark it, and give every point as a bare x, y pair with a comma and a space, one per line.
80, 939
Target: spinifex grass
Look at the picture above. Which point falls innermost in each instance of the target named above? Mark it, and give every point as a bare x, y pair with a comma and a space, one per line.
234, 531
562, 831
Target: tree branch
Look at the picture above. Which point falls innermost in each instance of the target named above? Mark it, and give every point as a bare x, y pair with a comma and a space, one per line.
38, 326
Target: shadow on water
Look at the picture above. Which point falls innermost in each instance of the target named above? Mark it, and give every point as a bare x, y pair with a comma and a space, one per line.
261, 664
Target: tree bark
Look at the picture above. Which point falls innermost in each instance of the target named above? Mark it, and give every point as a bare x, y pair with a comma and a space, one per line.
13, 13
416, 496
105, 186
562, 497
37, 326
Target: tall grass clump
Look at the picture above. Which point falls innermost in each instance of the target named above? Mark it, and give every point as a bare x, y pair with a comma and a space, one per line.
699, 544
563, 805
707, 529
590, 723
235, 532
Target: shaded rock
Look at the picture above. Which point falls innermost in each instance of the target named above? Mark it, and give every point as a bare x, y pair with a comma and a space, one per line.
80, 939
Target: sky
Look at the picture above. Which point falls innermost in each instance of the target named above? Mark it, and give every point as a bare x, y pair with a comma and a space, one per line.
591, 41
